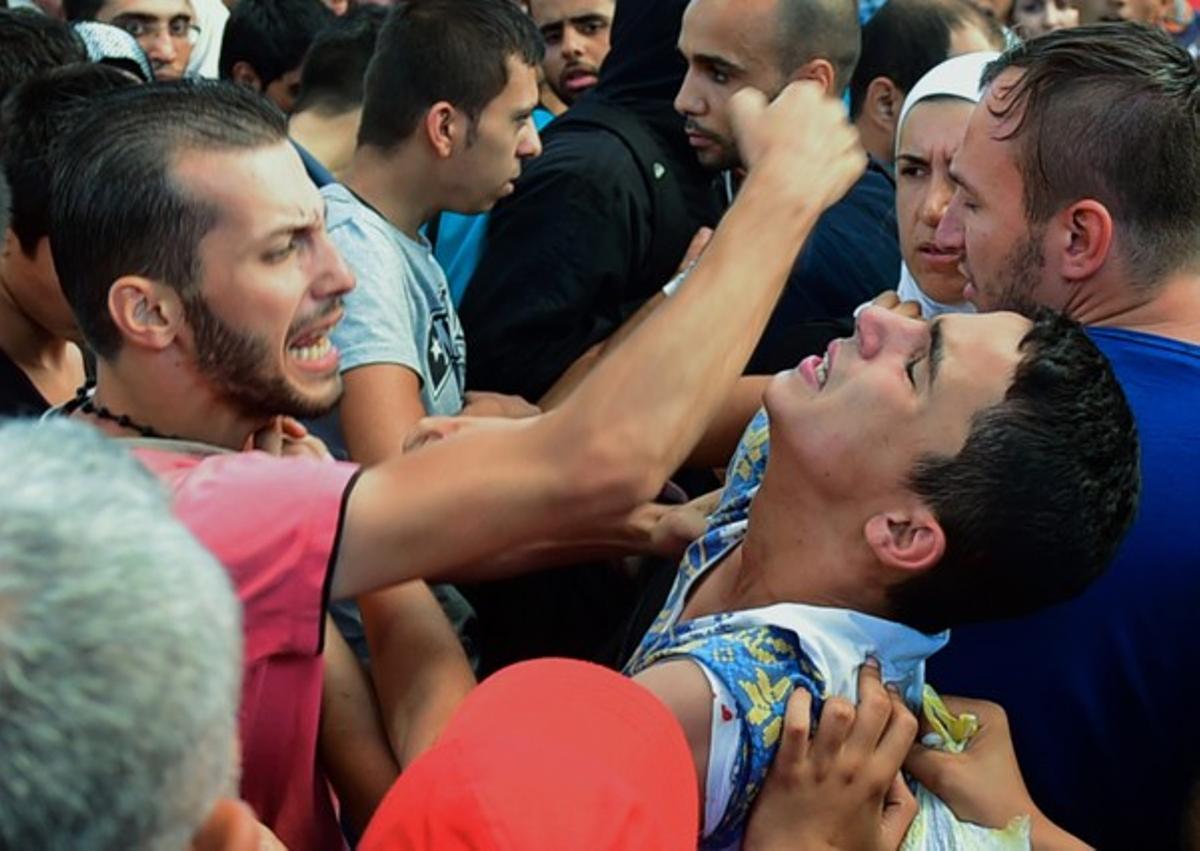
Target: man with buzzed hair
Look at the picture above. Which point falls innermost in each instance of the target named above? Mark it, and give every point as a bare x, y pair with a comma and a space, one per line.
853, 252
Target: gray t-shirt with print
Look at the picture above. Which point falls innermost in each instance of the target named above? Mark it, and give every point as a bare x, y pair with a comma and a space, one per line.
399, 311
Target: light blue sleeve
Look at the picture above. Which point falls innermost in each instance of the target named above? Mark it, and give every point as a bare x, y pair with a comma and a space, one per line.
381, 324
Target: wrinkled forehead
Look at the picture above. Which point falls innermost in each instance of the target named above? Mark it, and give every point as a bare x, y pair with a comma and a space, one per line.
253, 190
935, 120
163, 10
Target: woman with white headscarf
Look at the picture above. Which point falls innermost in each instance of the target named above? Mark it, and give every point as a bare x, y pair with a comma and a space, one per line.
933, 121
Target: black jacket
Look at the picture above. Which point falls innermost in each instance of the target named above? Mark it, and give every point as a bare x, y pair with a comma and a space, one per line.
577, 248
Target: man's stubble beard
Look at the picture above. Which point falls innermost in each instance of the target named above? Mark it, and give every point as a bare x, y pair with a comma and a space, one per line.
233, 361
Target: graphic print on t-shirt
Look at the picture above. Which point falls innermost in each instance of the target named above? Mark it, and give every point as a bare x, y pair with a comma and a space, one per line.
440, 349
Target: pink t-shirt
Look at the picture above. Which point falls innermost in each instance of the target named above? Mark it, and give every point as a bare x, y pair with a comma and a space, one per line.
273, 523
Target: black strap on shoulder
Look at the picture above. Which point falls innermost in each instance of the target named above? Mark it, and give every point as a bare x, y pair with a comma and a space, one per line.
665, 193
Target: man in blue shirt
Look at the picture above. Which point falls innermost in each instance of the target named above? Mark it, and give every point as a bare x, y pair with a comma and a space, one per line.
1079, 189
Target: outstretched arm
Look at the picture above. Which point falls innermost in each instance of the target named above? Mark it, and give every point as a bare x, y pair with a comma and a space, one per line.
630, 423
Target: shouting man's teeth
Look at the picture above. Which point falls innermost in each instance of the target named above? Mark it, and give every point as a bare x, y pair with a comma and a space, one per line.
312, 352
822, 373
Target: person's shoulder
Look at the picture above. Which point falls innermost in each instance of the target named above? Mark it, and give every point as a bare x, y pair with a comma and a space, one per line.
347, 217
240, 476
582, 153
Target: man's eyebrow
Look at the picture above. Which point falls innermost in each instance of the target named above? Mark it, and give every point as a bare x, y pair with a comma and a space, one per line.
912, 158
589, 18
958, 180
717, 62
138, 17
310, 221
936, 349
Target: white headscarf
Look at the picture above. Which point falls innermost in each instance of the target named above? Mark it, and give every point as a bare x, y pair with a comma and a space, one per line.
956, 78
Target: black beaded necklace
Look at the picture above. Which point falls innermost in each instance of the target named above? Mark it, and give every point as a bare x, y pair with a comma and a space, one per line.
83, 402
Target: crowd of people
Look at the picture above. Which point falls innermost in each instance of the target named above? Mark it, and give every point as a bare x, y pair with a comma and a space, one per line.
821, 475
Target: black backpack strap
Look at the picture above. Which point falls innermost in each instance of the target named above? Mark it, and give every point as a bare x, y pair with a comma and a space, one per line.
667, 197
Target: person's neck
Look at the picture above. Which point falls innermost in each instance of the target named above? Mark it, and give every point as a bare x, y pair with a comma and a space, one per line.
330, 137
169, 402
1170, 310
397, 184
875, 143
788, 556
30, 346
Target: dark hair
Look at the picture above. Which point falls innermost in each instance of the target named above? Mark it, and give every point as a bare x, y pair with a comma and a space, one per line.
435, 50
908, 38
82, 10
34, 118
31, 43
331, 78
826, 29
1111, 112
1043, 491
271, 36
116, 208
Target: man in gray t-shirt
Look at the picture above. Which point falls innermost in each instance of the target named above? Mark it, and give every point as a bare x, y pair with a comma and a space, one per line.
445, 126
399, 313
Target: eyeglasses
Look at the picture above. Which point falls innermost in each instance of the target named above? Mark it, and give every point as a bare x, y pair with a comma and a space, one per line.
179, 29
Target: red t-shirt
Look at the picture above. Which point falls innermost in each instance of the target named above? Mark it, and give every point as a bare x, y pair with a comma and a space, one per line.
273, 523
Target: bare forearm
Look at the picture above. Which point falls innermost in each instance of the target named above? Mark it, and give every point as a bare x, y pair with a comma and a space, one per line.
355, 752
420, 671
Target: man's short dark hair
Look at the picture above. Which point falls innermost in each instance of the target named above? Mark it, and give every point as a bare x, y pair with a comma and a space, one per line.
442, 50
331, 78
819, 29
82, 10
31, 43
118, 210
34, 118
908, 38
1035, 504
1111, 112
271, 36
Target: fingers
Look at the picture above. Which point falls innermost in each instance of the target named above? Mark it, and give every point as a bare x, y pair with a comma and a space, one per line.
269, 438
899, 810
874, 710
797, 728
837, 719
293, 428
931, 768
747, 108
899, 735
696, 247
890, 300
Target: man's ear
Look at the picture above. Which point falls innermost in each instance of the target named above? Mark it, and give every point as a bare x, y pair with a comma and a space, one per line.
882, 104
910, 540
1083, 238
231, 826
444, 126
818, 70
243, 74
147, 314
